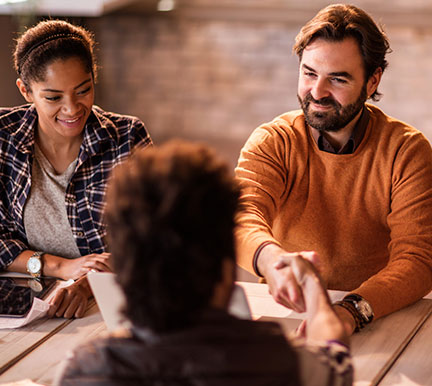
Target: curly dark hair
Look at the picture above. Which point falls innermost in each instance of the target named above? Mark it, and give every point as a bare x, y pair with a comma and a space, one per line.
170, 217
48, 41
339, 21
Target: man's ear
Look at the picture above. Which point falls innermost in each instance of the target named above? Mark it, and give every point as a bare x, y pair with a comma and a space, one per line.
373, 82
23, 90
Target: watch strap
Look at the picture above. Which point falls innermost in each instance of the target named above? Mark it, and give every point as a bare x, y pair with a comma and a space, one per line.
362, 308
354, 297
353, 311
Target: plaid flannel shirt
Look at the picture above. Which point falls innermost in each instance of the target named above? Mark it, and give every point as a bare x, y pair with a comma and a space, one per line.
108, 139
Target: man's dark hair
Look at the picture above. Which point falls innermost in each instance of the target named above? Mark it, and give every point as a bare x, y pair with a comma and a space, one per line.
339, 21
48, 41
170, 217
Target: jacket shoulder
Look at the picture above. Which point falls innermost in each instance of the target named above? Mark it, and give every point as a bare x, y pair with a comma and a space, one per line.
120, 124
11, 118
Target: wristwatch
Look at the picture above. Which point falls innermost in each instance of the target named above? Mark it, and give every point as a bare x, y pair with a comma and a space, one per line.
362, 307
34, 264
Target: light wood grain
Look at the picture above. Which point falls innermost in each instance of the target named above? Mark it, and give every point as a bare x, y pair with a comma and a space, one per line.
15, 342
377, 347
374, 349
41, 364
414, 366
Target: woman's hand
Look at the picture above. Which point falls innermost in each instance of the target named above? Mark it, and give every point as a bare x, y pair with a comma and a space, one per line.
71, 301
76, 268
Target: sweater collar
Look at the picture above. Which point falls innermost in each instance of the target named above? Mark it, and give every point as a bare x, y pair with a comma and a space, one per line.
353, 142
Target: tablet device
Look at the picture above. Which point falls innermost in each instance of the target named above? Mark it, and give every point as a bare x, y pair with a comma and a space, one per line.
17, 294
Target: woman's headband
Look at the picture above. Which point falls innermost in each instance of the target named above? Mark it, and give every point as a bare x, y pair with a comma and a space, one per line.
68, 35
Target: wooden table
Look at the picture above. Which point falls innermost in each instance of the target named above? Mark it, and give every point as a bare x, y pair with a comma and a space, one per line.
391, 350
414, 366
384, 352
34, 352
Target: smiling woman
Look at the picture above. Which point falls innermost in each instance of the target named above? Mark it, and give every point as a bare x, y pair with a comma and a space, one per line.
57, 153
63, 101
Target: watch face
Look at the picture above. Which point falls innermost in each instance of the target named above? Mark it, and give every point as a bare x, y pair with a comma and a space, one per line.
34, 265
365, 309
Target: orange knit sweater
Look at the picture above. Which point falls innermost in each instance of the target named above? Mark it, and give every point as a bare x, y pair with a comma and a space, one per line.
368, 214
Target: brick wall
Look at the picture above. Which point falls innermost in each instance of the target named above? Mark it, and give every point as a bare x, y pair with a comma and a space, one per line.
214, 73
212, 80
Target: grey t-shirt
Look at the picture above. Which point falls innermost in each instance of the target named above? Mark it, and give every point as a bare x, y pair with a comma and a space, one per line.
45, 219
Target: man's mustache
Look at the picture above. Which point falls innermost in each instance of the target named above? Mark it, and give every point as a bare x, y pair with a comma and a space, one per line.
326, 101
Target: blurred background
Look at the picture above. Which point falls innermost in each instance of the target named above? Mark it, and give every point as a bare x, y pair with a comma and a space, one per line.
213, 70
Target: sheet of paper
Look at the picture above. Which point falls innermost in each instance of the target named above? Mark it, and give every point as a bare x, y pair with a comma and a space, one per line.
38, 310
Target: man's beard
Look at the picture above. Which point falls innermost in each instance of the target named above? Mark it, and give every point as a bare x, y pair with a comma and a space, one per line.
335, 119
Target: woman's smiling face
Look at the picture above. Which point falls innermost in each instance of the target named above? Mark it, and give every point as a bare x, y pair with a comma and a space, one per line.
63, 100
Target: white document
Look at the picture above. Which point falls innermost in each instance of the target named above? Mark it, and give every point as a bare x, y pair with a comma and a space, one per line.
38, 310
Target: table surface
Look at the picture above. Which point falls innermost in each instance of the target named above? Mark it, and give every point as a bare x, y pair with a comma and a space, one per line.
393, 350
377, 347
414, 367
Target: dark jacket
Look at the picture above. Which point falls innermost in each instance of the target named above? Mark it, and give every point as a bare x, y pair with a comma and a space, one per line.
220, 350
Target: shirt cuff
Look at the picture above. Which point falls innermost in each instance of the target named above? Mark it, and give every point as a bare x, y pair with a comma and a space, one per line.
256, 255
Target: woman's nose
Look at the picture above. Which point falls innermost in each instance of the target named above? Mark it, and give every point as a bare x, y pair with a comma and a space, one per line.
70, 106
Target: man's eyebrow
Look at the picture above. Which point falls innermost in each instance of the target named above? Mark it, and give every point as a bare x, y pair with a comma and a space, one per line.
308, 68
343, 74
81, 84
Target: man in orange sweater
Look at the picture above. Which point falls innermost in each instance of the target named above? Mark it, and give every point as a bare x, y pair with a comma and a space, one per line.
339, 178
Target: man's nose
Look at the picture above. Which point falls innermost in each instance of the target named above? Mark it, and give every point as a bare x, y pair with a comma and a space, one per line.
320, 89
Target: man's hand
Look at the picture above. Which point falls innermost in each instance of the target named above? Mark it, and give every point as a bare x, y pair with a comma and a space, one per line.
76, 268
275, 264
71, 301
322, 323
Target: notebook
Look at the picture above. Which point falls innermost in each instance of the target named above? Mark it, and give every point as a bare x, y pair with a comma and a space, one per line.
110, 298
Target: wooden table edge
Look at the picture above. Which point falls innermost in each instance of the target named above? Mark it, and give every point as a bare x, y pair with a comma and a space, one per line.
35, 345
386, 368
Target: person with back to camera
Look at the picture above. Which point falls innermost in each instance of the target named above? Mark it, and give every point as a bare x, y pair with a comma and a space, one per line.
339, 178
57, 153
170, 218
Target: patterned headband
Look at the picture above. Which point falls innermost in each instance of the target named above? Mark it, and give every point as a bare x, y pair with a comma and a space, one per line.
46, 40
